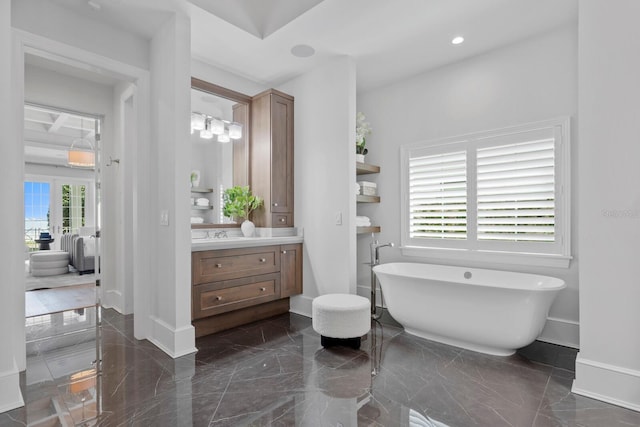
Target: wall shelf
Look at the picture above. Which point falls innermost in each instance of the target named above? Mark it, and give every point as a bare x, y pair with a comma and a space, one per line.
367, 199
365, 168
201, 208
367, 230
201, 190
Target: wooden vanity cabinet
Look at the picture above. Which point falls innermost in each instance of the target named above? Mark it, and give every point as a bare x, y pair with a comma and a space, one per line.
271, 158
232, 287
290, 270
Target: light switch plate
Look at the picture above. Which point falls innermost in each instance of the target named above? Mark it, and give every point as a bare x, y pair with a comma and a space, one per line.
164, 217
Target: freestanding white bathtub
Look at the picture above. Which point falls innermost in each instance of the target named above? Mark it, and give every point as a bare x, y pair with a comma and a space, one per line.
489, 311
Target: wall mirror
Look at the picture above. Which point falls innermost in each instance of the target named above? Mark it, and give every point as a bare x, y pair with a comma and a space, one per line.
219, 141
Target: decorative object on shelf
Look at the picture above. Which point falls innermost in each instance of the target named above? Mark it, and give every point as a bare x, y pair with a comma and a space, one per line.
239, 203
363, 129
368, 188
209, 126
81, 153
195, 178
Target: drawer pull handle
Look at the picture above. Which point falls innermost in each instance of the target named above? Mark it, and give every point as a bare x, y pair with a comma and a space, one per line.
283, 219
263, 289
218, 298
263, 260
284, 252
275, 204
218, 265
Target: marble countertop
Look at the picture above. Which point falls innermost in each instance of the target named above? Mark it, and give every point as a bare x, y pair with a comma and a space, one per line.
205, 240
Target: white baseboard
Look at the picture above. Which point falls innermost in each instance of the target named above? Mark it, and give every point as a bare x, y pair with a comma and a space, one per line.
113, 299
608, 383
562, 332
301, 304
10, 394
174, 342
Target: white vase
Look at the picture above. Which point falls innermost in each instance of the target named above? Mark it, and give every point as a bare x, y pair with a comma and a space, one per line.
248, 228
360, 158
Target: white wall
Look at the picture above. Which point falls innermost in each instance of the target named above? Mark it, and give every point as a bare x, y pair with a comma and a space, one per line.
170, 302
12, 220
525, 82
324, 169
608, 365
58, 23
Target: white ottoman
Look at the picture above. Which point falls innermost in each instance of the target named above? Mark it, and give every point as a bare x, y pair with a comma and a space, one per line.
49, 263
341, 319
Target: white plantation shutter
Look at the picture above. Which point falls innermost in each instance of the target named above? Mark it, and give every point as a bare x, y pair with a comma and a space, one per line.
516, 192
488, 194
438, 196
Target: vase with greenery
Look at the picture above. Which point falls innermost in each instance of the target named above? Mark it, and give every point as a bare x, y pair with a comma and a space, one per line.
238, 204
363, 128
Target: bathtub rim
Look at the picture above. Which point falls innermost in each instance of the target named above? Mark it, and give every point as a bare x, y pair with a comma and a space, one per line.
555, 284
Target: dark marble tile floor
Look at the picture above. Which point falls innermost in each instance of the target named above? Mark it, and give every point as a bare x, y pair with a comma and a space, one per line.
275, 372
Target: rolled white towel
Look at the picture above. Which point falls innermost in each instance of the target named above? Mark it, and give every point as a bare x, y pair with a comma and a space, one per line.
357, 188
202, 202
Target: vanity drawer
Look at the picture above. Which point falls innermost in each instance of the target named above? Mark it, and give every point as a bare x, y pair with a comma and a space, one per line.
282, 220
215, 298
226, 264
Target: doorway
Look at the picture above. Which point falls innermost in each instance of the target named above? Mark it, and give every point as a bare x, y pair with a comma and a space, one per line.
60, 199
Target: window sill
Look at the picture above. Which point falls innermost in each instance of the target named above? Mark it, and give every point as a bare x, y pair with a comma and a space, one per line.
494, 257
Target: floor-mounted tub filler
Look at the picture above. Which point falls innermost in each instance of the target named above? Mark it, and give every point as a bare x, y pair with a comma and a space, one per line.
489, 311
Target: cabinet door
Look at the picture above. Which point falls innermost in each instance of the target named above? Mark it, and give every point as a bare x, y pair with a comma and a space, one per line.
290, 270
281, 156
225, 264
221, 297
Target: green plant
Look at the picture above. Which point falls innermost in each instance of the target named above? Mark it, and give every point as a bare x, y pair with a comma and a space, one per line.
239, 202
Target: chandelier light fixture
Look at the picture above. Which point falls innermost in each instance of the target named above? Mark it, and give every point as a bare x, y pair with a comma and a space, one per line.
81, 152
209, 126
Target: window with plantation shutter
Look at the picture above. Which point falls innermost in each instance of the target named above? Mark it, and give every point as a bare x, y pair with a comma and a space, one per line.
516, 192
498, 192
438, 196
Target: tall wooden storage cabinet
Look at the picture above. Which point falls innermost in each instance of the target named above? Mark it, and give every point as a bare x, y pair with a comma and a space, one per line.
272, 158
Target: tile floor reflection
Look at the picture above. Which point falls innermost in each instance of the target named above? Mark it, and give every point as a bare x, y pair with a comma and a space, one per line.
275, 372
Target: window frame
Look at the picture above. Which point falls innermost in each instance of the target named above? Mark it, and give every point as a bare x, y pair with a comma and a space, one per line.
556, 254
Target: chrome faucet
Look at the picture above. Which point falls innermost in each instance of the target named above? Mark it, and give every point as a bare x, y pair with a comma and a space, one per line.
375, 260
375, 251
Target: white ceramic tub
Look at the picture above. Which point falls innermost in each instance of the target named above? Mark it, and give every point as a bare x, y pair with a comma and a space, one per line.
489, 311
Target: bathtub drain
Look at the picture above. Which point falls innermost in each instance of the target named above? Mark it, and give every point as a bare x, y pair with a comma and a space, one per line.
467, 275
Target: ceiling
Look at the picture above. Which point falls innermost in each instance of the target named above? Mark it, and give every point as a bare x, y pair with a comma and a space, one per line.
49, 133
389, 40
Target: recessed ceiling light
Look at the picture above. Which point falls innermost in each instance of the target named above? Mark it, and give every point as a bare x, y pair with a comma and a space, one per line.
457, 40
302, 51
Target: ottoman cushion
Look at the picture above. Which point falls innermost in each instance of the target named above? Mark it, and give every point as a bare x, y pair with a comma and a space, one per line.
341, 315
49, 263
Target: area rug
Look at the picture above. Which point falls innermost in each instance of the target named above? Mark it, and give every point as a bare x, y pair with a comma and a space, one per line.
50, 282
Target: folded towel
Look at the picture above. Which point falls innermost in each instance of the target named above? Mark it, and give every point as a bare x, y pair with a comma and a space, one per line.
202, 202
363, 221
197, 220
357, 188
